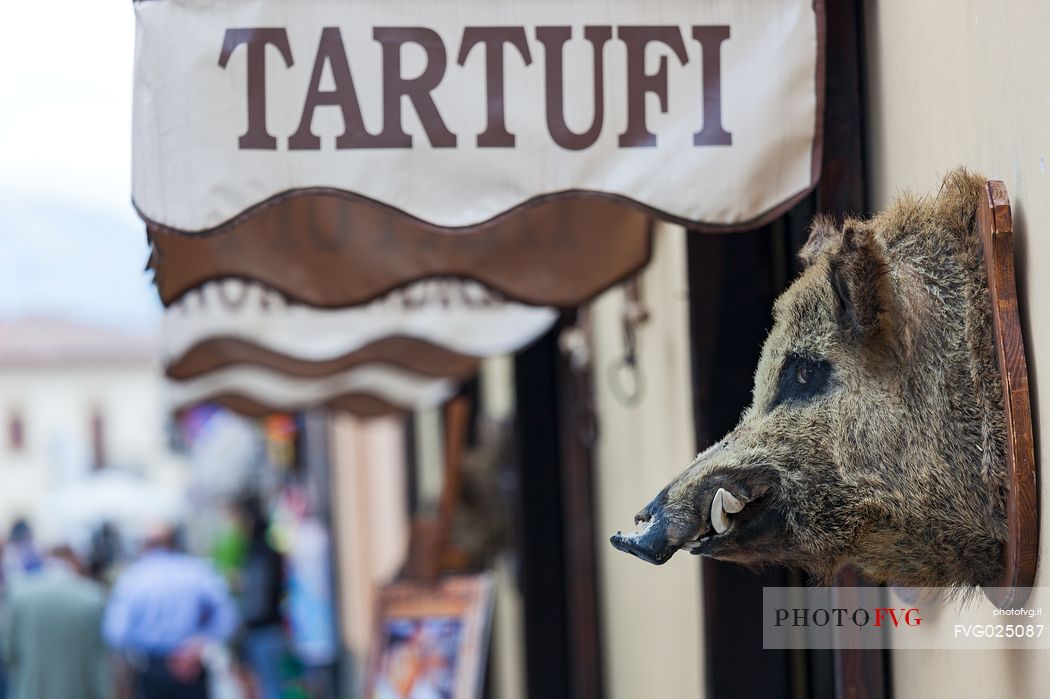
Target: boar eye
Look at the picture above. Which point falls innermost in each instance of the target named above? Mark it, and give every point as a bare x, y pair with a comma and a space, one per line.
802, 374
801, 379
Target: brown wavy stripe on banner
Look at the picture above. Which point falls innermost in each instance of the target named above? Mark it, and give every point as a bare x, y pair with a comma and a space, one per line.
415, 355
327, 251
360, 404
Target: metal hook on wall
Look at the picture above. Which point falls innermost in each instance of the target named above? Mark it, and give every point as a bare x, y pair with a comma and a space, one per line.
626, 381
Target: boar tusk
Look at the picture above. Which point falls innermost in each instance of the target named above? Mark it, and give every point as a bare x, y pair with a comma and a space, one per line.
731, 503
718, 515
724, 503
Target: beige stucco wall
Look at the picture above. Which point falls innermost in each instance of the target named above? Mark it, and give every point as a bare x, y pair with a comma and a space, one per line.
370, 519
650, 614
968, 82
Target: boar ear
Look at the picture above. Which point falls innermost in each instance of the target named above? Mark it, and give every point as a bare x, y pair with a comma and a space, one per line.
821, 234
957, 200
857, 271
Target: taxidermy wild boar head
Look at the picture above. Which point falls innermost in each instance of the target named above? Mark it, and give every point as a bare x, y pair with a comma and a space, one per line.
875, 435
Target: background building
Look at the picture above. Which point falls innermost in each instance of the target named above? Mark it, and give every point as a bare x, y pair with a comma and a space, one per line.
82, 404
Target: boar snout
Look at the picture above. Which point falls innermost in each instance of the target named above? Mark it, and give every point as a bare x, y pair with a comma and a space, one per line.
706, 515
655, 542
665, 529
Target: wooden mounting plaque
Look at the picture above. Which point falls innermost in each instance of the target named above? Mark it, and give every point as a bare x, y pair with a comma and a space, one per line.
1021, 552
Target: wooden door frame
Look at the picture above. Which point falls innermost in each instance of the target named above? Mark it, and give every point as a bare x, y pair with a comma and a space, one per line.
841, 190
556, 543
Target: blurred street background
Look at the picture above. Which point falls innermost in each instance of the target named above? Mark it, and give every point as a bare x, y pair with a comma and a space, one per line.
93, 463
352, 409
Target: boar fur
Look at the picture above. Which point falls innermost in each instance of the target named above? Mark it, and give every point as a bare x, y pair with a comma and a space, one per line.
876, 433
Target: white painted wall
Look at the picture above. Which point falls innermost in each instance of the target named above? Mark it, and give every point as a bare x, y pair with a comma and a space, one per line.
650, 615
965, 82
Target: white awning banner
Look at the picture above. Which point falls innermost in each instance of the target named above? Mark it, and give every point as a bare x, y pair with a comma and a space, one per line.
459, 315
705, 112
396, 387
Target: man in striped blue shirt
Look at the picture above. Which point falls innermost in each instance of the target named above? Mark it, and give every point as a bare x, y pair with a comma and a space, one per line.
164, 610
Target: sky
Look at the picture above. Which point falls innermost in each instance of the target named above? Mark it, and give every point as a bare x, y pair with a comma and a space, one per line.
70, 242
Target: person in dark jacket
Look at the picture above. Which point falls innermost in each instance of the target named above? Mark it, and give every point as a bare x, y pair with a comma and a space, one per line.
262, 591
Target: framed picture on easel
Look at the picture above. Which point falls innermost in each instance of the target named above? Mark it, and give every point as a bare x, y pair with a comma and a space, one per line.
430, 641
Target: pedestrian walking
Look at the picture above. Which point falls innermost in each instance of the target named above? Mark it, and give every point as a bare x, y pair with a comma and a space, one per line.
165, 609
21, 556
52, 640
261, 594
